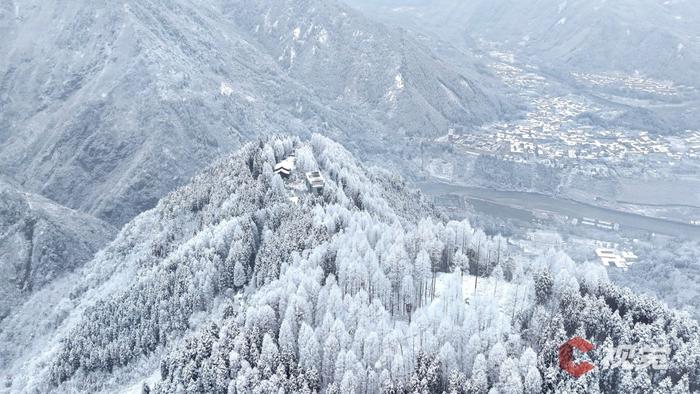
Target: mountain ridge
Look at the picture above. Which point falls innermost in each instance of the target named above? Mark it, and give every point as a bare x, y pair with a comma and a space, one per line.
230, 284
656, 39
41, 241
117, 105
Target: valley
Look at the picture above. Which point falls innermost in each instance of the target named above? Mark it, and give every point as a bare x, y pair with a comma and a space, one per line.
349, 196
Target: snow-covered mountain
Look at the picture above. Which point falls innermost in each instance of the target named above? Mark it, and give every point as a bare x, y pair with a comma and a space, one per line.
243, 281
660, 39
383, 72
41, 241
105, 107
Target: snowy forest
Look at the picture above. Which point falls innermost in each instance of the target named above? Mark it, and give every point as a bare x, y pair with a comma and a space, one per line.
350, 196
244, 282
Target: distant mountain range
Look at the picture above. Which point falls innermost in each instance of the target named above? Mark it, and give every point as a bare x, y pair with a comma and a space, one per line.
106, 107
660, 39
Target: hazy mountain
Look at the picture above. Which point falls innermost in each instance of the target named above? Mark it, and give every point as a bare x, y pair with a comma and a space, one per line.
384, 72
40, 241
107, 106
657, 38
228, 285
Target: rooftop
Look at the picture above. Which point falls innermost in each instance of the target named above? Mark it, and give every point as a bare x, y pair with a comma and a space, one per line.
315, 179
286, 164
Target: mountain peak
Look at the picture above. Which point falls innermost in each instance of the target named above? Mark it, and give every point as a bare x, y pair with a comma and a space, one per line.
246, 278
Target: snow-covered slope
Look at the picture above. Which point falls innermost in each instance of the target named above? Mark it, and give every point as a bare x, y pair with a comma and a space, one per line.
40, 241
384, 71
243, 281
107, 106
194, 237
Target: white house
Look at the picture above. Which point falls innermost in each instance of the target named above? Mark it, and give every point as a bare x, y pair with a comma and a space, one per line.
630, 257
285, 167
609, 256
622, 260
315, 181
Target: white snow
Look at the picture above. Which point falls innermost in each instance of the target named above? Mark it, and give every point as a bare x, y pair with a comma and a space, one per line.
296, 33
562, 7
225, 89
323, 36
502, 290
562, 21
398, 82
395, 89
137, 388
680, 47
266, 18
403, 9
451, 94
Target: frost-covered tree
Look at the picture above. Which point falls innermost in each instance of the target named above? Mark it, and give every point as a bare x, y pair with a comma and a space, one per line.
309, 352
311, 297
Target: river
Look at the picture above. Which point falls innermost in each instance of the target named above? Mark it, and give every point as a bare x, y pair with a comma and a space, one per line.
534, 201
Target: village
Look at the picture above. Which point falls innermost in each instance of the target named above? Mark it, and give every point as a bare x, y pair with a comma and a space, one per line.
552, 133
556, 131
551, 136
632, 82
